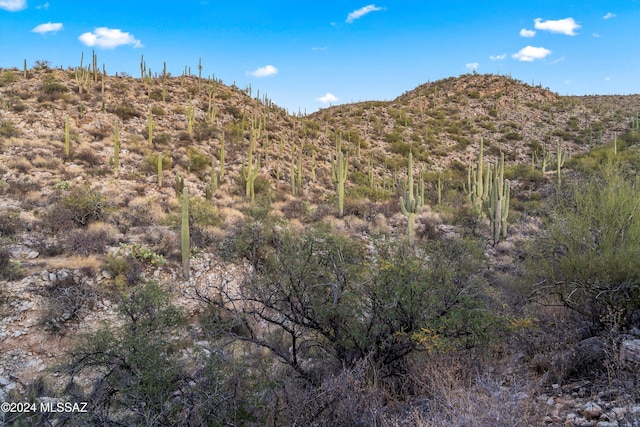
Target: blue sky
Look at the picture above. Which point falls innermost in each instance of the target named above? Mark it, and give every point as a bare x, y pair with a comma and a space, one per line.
309, 54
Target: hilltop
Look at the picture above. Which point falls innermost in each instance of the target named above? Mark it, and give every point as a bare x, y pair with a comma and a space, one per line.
82, 233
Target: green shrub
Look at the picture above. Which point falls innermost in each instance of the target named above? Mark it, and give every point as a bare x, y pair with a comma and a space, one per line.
590, 261
197, 159
8, 130
9, 269
348, 307
51, 85
135, 367
125, 111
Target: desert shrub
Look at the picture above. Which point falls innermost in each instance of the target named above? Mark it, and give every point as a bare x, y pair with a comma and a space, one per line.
66, 300
589, 262
151, 163
203, 213
156, 95
51, 85
72, 208
157, 110
86, 205
18, 107
57, 218
524, 172
137, 364
204, 131
125, 111
91, 240
162, 138
197, 159
348, 309
261, 185
9, 269
124, 270
21, 164
89, 157
7, 77
512, 136
8, 130
9, 223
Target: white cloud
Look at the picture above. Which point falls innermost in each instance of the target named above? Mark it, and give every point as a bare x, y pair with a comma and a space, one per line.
267, 70
13, 5
608, 79
359, 13
562, 58
596, 35
527, 33
327, 99
498, 57
49, 27
109, 38
315, 49
530, 53
472, 65
44, 6
561, 26
609, 15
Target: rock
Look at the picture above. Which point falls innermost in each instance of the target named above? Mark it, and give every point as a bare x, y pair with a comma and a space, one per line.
33, 254
619, 413
4, 381
630, 354
607, 424
53, 277
591, 410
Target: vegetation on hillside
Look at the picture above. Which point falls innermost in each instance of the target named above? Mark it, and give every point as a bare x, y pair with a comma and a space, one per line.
376, 263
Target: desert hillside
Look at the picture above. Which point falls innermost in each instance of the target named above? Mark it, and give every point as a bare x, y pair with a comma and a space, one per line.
178, 251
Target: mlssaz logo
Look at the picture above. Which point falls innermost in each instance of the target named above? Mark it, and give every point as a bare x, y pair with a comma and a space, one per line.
65, 407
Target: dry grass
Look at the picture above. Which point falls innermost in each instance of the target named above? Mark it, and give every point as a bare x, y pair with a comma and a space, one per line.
462, 395
74, 262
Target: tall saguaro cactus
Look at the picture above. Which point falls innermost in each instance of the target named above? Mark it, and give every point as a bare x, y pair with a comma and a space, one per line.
150, 127
184, 233
499, 202
412, 205
560, 157
339, 170
478, 179
250, 171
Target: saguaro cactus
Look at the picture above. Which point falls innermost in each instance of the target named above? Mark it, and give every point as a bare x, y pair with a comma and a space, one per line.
250, 171
439, 188
339, 170
499, 202
560, 157
412, 204
184, 233
478, 179
150, 127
